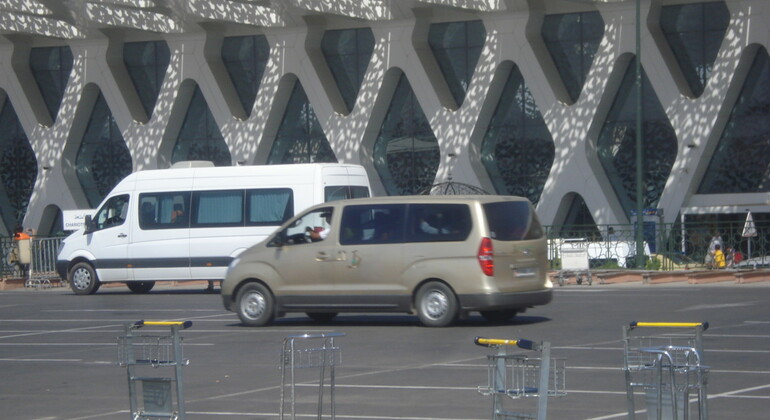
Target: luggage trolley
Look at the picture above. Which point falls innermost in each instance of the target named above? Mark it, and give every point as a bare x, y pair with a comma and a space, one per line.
309, 351
517, 375
139, 354
574, 260
666, 361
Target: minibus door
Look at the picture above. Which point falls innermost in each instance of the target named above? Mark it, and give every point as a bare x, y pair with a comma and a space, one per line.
107, 238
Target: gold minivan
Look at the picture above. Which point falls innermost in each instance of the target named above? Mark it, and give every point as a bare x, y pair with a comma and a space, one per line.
439, 257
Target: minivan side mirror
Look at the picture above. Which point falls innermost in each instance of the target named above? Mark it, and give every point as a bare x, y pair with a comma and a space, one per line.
89, 224
277, 241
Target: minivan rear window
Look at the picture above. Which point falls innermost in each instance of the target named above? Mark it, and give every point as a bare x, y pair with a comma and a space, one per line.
512, 221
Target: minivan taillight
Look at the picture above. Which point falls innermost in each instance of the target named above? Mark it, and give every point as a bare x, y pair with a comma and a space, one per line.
486, 257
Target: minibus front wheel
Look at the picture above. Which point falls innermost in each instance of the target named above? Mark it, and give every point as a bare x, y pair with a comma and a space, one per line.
255, 305
83, 279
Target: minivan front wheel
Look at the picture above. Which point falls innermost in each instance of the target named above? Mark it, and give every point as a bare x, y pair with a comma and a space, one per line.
83, 280
255, 305
436, 305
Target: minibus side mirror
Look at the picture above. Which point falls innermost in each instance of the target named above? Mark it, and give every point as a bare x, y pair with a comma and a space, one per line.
89, 224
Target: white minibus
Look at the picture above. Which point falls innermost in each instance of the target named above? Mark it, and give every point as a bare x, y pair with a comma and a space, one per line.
189, 222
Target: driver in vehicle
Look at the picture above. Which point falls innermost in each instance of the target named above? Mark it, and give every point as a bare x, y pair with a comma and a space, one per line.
319, 233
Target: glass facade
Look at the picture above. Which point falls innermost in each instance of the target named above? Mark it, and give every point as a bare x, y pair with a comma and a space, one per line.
103, 158
147, 63
18, 168
200, 138
517, 150
347, 53
300, 138
51, 68
572, 40
245, 58
406, 152
457, 47
617, 143
741, 161
695, 33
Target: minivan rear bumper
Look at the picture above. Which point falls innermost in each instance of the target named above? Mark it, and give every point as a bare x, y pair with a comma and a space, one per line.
517, 300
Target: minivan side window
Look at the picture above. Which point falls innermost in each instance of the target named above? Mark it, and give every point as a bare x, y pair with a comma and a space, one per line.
372, 224
438, 222
113, 212
512, 221
344, 192
164, 210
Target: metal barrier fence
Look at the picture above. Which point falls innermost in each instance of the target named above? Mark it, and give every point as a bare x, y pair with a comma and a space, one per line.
42, 263
671, 246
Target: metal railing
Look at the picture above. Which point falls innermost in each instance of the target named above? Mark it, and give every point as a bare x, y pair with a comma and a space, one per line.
670, 246
43, 252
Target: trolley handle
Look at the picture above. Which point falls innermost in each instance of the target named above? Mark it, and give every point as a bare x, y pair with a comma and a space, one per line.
183, 324
521, 343
636, 324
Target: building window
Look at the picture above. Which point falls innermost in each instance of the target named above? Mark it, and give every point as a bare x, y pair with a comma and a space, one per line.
572, 40
51, 68
457, 47
347, 53
18, 168
245, 58
517, 150
406, 153
695, 33
741, 160
146, 63
103, 158
578, 223
617, 143
200, 138
300, 138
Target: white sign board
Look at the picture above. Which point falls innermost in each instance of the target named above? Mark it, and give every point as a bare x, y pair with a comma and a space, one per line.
75, 219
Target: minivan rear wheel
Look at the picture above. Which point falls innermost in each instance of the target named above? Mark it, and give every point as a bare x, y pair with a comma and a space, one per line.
436, 305
255, 305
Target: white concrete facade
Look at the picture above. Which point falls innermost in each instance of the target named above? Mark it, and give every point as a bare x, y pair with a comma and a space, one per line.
194, 29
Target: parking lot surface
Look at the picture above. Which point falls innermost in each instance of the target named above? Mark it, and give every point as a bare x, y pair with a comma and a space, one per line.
58, 354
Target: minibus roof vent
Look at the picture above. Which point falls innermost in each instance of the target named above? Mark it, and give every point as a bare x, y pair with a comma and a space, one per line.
193, 164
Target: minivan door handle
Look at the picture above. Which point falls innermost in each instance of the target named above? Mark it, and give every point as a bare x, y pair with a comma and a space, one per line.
122, 235
321, 256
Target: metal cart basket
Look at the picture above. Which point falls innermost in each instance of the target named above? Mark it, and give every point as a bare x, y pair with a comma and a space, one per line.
309, 351
666, 362
574, 261
518, 375
141, 354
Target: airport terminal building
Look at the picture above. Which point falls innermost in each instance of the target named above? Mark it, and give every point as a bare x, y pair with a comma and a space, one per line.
535, 98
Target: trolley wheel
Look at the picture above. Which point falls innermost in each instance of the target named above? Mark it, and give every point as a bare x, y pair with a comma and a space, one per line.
255, 305
499, 316
140, 286
561, 279
436, 305
83, 280
321, 316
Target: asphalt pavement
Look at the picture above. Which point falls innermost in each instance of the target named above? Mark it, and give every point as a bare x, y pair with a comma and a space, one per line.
59, 352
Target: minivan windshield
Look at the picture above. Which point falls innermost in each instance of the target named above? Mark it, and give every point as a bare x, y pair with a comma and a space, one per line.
512, 221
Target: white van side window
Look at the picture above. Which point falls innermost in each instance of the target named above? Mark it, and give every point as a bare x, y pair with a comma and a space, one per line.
269, 206
113, 213
218, 208
344, 192
166, 210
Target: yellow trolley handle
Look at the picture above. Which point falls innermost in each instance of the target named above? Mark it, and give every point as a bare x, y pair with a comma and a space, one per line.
183, 324
489, 342
636, 324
